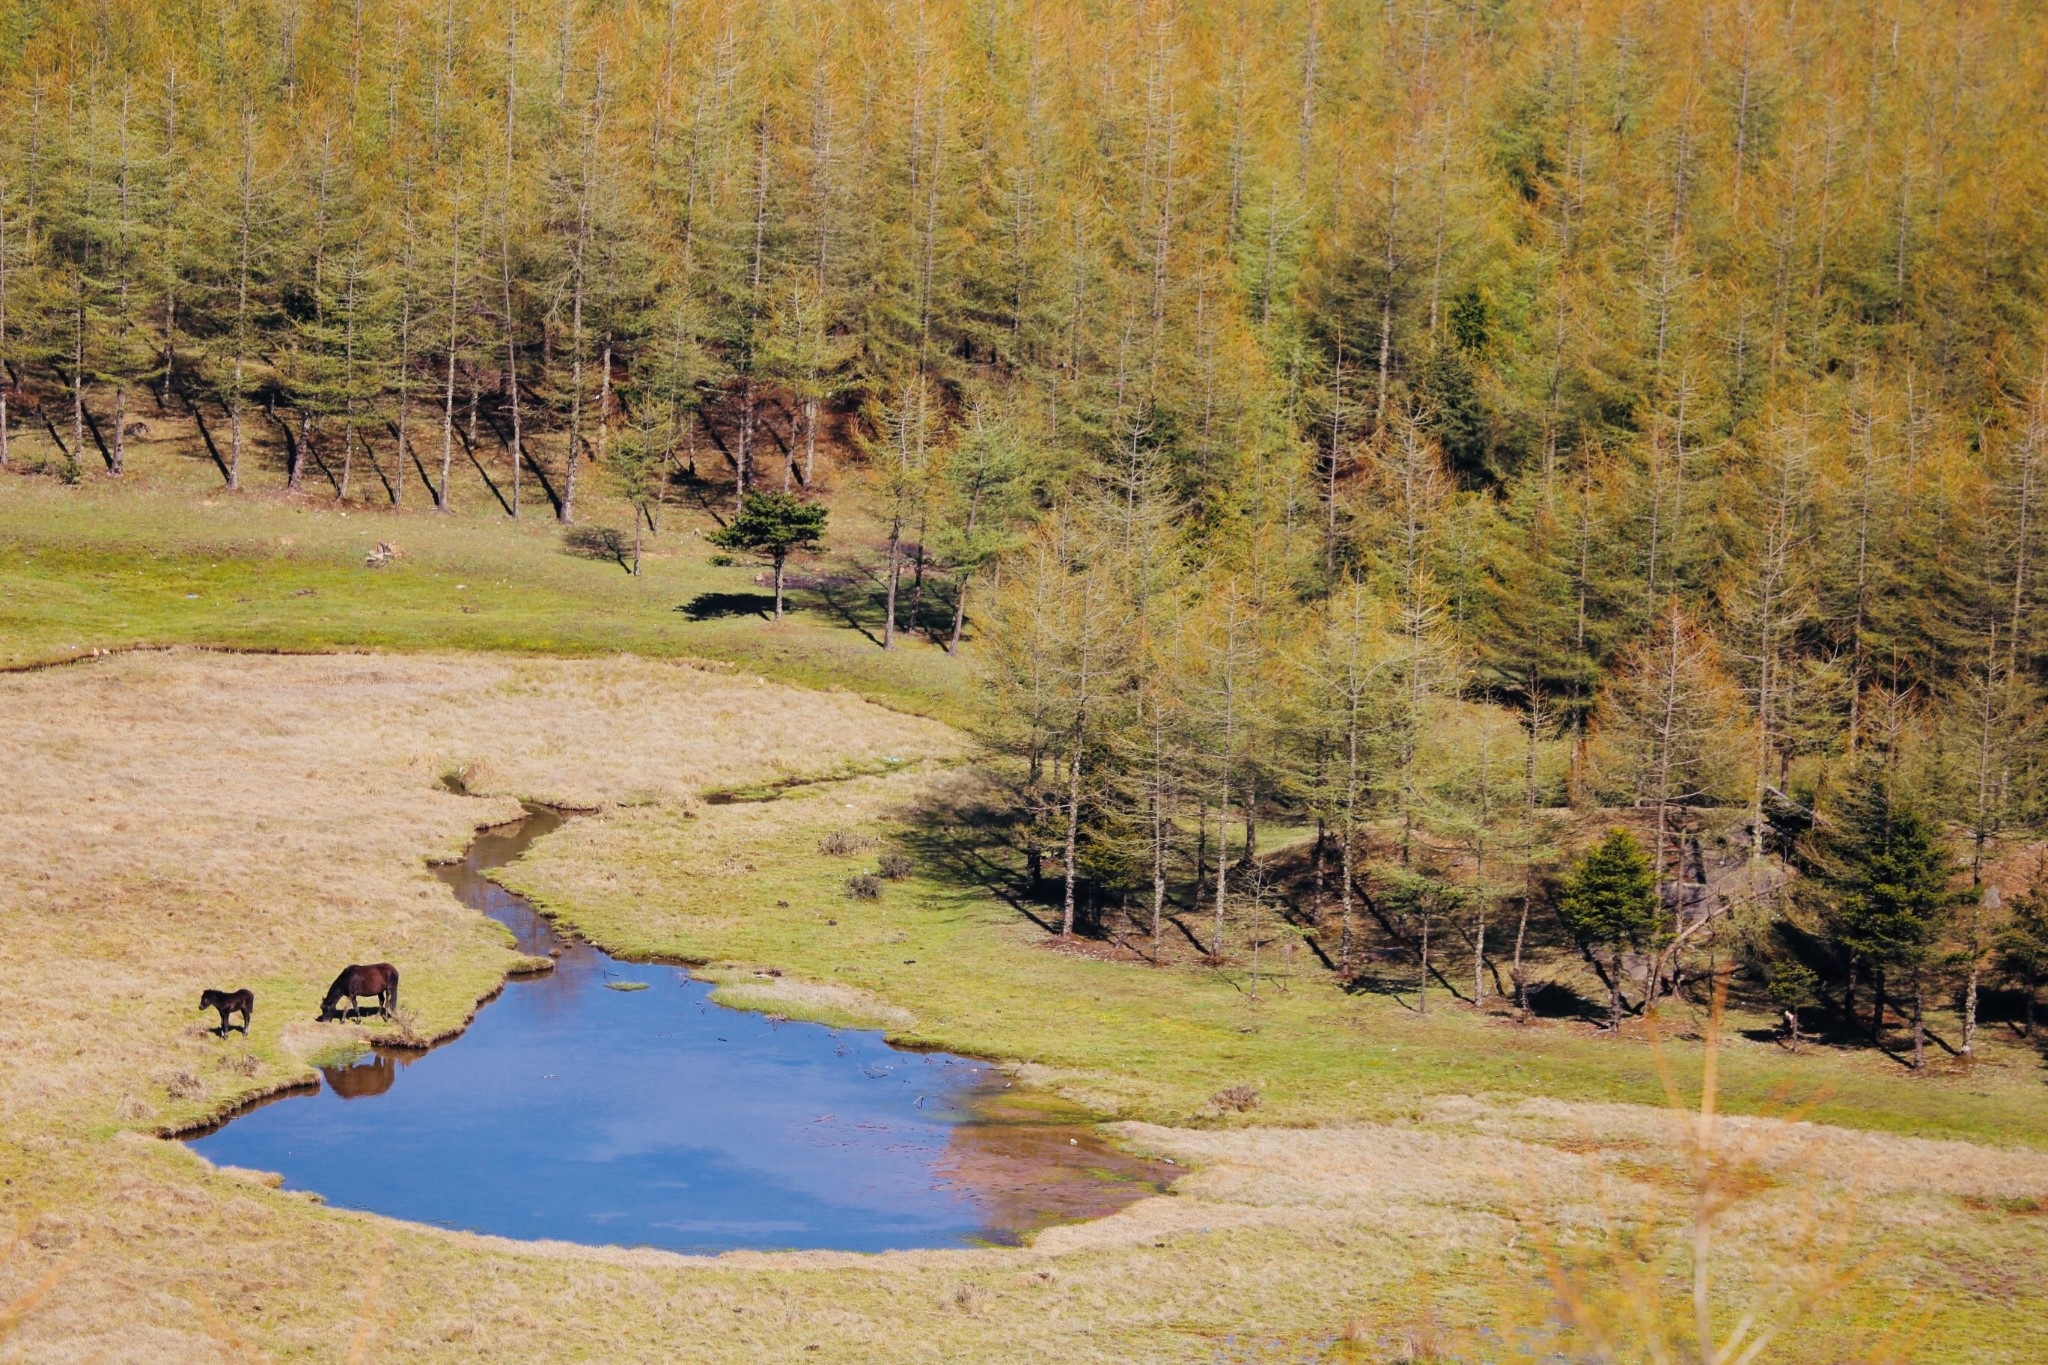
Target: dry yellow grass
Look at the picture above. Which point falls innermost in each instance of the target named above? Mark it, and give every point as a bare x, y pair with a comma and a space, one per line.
196, 819
190, 819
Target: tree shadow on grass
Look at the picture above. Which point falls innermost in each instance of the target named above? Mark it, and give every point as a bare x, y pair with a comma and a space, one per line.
1555, 1000
848, 603
714, 606
599, 542
965, 841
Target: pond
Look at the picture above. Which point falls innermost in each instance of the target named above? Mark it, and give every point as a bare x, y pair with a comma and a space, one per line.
612, 1102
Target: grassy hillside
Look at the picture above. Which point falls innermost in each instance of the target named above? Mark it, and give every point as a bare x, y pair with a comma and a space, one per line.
98, 567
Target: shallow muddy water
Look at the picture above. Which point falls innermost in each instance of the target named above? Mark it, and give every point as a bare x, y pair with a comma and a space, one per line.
648, 1116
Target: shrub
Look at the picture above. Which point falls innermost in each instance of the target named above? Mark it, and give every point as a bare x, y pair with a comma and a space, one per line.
1238, 1099
841, 843
895, 865
865, 887
721, 561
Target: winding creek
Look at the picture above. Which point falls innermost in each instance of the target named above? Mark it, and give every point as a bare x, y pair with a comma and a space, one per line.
612, 1102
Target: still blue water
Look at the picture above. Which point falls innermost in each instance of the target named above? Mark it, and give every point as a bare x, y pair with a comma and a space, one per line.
574, 1110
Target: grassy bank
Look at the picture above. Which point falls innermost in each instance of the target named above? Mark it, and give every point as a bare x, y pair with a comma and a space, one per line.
967, 970
96, 567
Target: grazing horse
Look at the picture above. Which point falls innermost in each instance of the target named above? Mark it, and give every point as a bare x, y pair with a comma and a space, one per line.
241, 1002
379, 979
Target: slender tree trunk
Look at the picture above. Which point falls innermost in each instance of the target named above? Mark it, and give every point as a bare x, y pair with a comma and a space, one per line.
348, 383
401, 427
1534, 727
295, 476
1970, 1012
1422, 985
1919, 1027
505, 250
1159, 821
959, 612
810, 436
917, 570
895, 575
120, 429
1229, 747
567, 511
441, 502
4, 359
77, 381
1073, 835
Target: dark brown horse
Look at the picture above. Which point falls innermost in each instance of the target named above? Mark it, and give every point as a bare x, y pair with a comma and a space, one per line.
378, 979
241, 1002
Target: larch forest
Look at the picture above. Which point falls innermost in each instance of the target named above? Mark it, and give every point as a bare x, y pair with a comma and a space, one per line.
1537, 501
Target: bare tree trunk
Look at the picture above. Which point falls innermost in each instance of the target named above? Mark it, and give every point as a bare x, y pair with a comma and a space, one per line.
1422, 985
3, 335
1479, 892
348, 418
1159, 822
401, 427
1073, 831
77, 380
454, 318
895, 574
567, 512
1919, 1027
917, 568
505, 251
120, 457
1535, 724
1229, 748
959, 612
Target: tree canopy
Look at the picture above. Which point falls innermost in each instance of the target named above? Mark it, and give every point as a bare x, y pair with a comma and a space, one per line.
773, 524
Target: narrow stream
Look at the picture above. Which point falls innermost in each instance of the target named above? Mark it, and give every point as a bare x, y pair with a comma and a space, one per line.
611, 1102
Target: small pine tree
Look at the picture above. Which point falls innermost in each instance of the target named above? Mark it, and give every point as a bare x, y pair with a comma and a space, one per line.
1792, 986
773, 524
1889, 880
1610, 901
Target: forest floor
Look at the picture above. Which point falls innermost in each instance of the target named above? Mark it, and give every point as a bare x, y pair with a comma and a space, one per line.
1399, 1180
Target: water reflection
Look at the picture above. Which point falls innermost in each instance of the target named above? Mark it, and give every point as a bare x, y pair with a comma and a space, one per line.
372, 1075
573, 1110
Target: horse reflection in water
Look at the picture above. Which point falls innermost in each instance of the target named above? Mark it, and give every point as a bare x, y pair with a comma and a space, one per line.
372, 1075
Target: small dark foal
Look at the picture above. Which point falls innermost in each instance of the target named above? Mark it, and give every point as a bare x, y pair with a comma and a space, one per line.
242, 1002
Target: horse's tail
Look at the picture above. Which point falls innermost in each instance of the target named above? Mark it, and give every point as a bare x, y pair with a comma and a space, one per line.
394, 993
